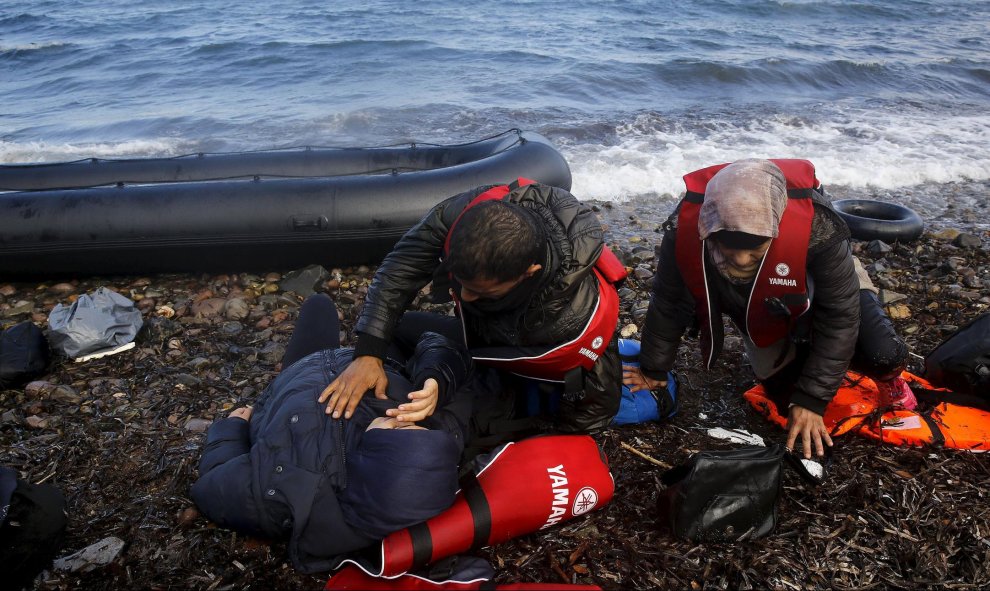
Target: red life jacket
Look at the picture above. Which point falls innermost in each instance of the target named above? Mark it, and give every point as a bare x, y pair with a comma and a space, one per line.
780, 291
523, 487
552, 363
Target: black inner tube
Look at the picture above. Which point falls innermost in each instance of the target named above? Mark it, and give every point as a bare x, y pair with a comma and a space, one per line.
879, 220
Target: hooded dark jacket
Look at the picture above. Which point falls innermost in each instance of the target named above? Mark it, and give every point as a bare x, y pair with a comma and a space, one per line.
563, 298
325, 484
829, 329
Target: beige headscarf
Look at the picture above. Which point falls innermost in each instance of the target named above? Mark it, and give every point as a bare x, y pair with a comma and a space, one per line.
746, 196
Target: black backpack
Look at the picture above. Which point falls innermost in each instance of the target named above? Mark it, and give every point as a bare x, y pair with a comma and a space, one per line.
962, 362
24, 354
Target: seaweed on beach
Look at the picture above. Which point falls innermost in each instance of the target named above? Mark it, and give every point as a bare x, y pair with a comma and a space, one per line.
122, 435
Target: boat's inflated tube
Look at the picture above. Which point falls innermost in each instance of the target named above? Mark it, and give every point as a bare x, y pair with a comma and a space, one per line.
272, 210
878, 220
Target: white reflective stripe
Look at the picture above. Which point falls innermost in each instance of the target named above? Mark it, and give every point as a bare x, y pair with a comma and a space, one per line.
379, 574
756, 280
598, 301
708, 305
497, 456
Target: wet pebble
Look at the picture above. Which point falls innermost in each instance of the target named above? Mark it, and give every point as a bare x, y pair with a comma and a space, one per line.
889, 297
208, 308
187, 379
197, 425
197, 363
272, 352
628, 331
232, 328
236, 309
36, 422
966, 240
187, 517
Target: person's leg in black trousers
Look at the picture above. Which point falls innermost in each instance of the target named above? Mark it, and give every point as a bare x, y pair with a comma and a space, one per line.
317, 328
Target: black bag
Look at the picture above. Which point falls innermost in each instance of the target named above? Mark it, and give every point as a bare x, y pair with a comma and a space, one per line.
24, 354
32, 529
726, 495
962, 362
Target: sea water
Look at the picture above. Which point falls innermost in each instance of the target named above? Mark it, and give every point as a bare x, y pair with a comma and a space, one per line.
889, 98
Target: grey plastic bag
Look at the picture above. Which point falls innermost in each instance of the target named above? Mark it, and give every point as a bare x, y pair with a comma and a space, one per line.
102, 321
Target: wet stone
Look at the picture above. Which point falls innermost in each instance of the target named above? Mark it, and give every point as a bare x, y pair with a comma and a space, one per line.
878, 247
889, 297
643, 272
208, 308
973, 281
272, 352
18, 309
198, 363
38, 388
305, 281
966, 240
948, 234
232, 328
197, 425
36, 422
65, 394
188, 379
236, 309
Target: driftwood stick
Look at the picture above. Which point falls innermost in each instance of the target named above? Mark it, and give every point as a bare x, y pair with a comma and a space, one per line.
652, 460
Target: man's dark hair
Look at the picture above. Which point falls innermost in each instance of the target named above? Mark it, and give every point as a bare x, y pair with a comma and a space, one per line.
494, 240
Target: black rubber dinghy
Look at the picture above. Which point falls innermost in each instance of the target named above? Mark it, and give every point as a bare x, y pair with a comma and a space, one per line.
879, 220
265, 210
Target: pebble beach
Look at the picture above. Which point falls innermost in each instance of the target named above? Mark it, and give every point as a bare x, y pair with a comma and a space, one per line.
121, 436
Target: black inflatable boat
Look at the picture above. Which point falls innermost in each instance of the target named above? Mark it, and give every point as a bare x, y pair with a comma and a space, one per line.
278, 209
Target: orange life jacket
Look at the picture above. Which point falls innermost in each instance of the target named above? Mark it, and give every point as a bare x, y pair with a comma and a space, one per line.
780, 293
856, 408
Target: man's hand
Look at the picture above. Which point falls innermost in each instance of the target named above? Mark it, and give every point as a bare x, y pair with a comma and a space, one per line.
344, 393
811, 427
633, 377
241, 413
424, 403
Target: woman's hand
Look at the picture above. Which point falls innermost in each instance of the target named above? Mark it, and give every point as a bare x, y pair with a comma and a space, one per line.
424, 404
811, 427
241, 413
633, 377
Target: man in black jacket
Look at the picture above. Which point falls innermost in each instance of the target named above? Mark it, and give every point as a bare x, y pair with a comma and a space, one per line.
757, 240
535, 288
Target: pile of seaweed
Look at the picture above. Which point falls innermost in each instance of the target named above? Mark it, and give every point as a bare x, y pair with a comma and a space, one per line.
122, 435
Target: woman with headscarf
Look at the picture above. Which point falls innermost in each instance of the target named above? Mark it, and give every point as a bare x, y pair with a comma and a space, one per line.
757, 240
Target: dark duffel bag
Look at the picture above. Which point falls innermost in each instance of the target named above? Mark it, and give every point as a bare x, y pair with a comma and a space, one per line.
962, 362
24, 354
726, 495
32, 528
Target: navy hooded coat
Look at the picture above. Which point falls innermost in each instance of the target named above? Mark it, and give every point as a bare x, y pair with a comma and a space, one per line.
293, 472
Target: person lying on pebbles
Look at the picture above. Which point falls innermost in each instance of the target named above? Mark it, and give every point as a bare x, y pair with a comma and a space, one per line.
284, 469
